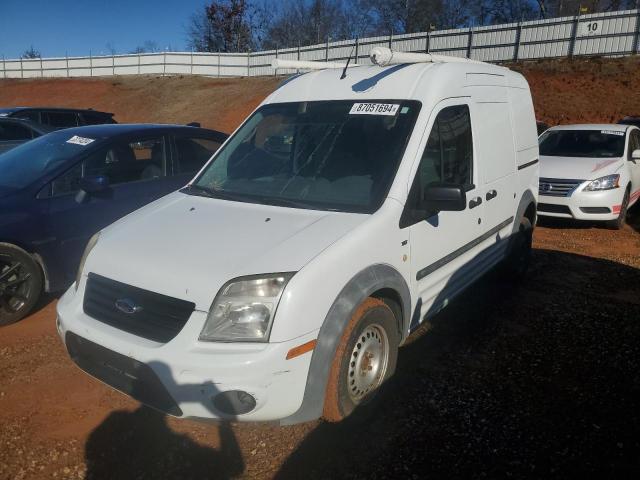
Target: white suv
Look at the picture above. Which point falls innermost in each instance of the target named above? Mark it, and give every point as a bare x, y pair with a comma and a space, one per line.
589, 172
279, 284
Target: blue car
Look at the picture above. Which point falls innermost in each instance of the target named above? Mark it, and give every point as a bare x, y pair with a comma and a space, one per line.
58, 190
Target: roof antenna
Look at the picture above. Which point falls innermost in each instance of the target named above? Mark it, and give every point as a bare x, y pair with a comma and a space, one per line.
344, 70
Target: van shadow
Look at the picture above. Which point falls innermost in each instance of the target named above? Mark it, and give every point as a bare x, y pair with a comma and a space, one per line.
140, 445
527, 381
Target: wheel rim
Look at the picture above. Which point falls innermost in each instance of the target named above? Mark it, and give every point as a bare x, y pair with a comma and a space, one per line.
15, 285
368, 362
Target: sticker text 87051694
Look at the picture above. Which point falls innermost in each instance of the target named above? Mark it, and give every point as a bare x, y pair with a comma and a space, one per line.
374, 109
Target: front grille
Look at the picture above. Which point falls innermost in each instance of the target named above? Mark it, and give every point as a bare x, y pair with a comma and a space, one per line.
157, 317
551, 208
557, 187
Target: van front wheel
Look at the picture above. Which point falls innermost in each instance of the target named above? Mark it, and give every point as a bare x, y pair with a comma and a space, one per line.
365, 358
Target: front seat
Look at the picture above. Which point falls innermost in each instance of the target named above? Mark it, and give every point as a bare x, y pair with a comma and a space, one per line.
120, 164
154, 169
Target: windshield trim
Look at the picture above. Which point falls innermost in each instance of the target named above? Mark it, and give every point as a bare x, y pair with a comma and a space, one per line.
350, 208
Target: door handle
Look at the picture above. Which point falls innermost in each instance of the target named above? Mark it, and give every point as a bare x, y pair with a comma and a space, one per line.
474, 202
491, 194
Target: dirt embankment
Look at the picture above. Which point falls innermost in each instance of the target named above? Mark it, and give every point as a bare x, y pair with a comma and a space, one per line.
216, 103
593, 90
564, 91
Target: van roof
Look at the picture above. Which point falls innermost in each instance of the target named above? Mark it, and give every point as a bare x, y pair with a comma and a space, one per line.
396, 82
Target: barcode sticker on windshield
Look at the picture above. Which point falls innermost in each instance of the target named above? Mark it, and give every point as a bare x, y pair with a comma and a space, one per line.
80, 140
612, 132
374, 109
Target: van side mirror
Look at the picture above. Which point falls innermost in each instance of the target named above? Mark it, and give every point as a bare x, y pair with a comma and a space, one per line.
94, 183
635, 155
444, 197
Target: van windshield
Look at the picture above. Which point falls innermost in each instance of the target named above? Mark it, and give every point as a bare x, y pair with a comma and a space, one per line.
582, 143
330, 155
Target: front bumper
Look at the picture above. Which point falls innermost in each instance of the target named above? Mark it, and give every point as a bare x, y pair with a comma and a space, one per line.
581, 205
184, 376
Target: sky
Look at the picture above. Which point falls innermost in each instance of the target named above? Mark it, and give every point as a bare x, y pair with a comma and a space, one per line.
75, 27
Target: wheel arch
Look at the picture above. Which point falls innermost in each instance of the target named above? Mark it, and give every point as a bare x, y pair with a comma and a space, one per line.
527, 207
379, 281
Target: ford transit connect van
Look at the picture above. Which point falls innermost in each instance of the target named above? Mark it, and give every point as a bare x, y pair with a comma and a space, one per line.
347, 209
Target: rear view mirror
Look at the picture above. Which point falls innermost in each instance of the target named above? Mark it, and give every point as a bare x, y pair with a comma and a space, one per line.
635, 155
94, 184
444, 197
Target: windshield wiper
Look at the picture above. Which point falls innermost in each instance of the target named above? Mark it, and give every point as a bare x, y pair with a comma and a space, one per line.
193, 189
211, 192
285, 202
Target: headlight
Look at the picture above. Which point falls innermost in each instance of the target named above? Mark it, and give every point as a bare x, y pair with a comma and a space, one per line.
243, 309
92, 243
603, 183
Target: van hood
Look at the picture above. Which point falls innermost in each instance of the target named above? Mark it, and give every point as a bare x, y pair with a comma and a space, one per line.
188, 246
578, 168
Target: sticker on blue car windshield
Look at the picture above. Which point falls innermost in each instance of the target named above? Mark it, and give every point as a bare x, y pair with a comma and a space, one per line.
76, 140
374, 109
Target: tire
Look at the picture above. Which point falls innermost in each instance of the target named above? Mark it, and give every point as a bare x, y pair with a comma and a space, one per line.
516, 265
619, 222
20, 283
365, 358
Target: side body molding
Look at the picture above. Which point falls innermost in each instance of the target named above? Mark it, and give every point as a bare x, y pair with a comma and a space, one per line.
368, 281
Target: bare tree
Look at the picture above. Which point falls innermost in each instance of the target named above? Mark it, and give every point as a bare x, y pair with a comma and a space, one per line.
148, 46
302, 22
110, 48
223, 25
31, 53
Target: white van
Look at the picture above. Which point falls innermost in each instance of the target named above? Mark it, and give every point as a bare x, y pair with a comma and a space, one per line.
590, 172
279, 284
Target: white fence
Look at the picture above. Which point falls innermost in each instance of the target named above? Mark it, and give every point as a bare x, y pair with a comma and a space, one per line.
610, 34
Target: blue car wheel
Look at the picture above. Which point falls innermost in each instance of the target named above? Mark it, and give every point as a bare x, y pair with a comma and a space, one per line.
20, 283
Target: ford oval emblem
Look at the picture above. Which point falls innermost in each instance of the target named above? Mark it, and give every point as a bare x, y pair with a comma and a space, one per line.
128, 306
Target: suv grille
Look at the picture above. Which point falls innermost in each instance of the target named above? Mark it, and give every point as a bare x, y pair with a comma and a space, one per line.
156, 317
557, 187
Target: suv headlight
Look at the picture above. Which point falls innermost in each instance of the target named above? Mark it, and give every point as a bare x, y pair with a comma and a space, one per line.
603, 183
243, 309
90, 244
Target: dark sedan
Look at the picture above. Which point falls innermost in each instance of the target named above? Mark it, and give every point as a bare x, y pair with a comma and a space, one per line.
58, 190
16, 131
59, 117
